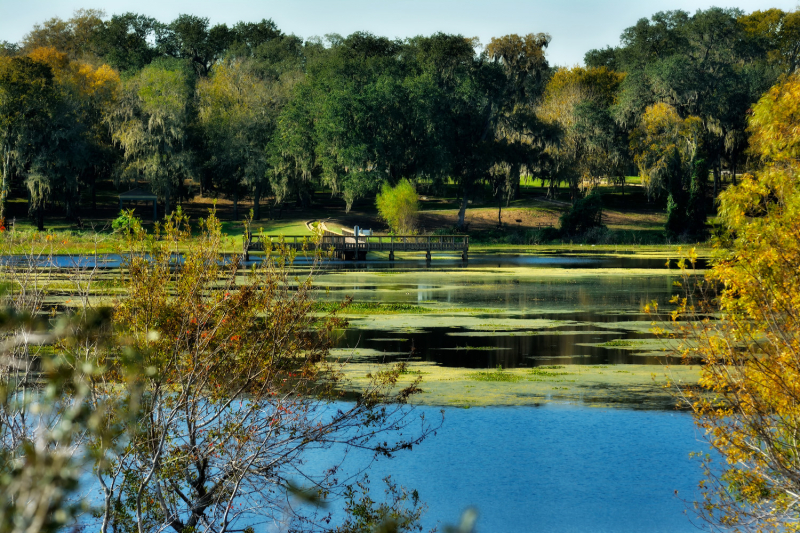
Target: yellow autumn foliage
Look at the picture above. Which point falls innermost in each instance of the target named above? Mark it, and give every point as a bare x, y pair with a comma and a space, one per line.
751, 349
664, 146
81, 79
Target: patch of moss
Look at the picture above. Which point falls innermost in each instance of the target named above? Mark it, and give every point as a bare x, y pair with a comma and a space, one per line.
378, 308
545, 373
370, 307
618, 342
496, 375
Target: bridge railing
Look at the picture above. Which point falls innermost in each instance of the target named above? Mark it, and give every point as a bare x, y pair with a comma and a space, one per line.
396, 242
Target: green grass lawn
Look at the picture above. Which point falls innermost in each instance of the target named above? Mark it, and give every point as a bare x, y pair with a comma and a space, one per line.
280, 227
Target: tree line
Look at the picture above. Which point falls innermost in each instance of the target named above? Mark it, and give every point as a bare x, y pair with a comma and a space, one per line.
248, 111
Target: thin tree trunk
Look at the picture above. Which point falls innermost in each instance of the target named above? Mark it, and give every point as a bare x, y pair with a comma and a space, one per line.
107, 495
499, 211
463, 210
4, 185
40, 218
257, 202
166, 201
236, 206
715, 170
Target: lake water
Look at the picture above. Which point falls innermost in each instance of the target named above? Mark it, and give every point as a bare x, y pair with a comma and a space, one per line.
524, 310
555, 469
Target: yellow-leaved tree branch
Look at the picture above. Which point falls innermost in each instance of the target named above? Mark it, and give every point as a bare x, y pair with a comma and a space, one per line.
747, 332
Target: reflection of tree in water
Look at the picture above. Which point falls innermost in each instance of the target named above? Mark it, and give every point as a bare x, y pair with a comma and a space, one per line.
574, 343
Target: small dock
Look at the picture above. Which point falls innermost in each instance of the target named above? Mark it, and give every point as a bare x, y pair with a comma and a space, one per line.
356, 248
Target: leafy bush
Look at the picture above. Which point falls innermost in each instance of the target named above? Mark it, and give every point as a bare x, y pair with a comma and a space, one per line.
126, 222
586, 213
399, 206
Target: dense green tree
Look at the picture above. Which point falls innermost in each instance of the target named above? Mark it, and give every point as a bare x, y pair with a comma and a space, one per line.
238, 111
585, 214
705, 65
365, 126
152, 123
189, 37
521, 137
28, 100
73, 37
591, 145
467, 91
247, 37
69, 145
292, 149
372, 110
127, 41
778, 33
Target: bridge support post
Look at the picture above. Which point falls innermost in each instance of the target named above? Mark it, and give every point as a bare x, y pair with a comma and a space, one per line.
391, 255
464, 255
428, 256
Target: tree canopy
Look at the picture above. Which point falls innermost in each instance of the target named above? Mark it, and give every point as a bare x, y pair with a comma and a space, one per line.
248, 111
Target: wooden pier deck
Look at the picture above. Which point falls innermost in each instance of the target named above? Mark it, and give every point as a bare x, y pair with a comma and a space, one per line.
352, 248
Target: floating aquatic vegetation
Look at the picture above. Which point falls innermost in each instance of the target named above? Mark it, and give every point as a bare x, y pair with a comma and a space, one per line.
496, 375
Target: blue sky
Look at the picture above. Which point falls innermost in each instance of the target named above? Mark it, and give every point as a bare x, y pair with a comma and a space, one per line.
575, 25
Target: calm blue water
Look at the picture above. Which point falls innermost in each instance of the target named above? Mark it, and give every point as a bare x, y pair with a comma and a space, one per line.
556, 469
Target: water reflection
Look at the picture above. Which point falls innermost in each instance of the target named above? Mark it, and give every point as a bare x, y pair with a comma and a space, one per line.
591, 309
585, 259
468, 348
413, 262
619, 292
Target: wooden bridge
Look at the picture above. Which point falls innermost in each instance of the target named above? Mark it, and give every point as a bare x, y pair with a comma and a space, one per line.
357, 248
